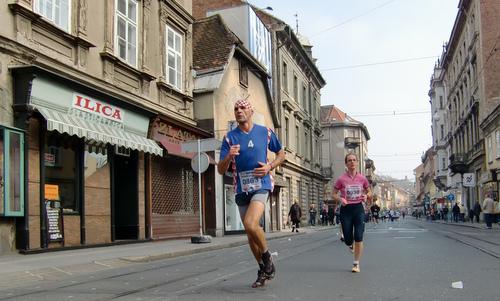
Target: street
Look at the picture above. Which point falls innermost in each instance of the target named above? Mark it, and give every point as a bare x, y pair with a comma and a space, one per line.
406, 260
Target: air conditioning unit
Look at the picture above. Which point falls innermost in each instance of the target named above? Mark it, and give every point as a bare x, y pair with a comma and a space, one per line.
122, 151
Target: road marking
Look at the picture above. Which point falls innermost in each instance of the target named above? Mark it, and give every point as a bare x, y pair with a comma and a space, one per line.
103, 264
404, 237
62, 271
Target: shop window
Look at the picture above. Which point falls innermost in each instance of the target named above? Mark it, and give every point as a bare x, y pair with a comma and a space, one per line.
56, 11
94, 166
61, 168
11, 172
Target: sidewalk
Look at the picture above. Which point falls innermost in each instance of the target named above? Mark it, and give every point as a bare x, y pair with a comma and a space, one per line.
468, 224
17, 269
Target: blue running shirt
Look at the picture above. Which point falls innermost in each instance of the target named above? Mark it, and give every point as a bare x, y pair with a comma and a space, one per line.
253, 149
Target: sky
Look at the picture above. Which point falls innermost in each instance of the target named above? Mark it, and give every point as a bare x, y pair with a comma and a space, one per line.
377, 58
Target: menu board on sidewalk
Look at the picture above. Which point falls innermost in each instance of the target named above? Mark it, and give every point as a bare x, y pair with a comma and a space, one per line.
55, 230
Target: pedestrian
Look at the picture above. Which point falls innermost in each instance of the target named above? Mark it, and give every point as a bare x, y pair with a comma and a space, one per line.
295, 214
331, 215
488, 210
375, 209
312, 215
477, 211
354, 190
324, 214
445, 213
245, 148
456, 212
463, 209
471, 215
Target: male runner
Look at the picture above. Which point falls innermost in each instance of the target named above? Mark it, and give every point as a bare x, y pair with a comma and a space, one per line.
245, 149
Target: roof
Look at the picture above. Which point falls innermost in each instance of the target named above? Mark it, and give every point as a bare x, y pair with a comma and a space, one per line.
330, 114
333, 116
213, 43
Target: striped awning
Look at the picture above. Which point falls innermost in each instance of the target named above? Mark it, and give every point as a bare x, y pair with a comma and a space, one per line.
94, 131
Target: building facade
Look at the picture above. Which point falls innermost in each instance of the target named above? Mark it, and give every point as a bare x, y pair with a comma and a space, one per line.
226, 72
466, 76
89, 94
341, 135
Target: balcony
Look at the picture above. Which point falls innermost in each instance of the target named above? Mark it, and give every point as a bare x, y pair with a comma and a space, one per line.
458, 163
326, 172
352, 142
476, 151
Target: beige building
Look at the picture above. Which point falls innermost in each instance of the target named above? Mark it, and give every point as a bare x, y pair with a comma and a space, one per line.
90, 90
226, 72
342, 134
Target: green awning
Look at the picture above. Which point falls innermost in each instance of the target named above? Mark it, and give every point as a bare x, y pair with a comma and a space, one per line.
95, 131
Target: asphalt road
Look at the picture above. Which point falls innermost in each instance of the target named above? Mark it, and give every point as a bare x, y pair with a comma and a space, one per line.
407, 260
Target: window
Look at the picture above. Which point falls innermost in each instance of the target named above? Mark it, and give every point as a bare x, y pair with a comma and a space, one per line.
442, 131
297, 139
295, 88
56, 11
443, 163
174, 58
126, 31
440, 102
489, 150
243, 73
498, 144
284, 76
11, 172
61, 168
304, 98
299, 192
287, 132
306, 138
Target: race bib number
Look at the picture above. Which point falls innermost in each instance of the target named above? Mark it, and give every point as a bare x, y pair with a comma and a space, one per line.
249, 182
353, 192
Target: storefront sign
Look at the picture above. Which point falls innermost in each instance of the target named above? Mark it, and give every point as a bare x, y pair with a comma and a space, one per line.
94, 110
55, 230
172, 132
51, 192
469, 180
50, 159
171, 137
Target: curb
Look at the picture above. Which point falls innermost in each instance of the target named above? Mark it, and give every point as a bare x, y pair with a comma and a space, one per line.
149, 258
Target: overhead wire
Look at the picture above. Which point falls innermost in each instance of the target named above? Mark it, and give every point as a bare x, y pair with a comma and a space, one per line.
352, 18
381, 63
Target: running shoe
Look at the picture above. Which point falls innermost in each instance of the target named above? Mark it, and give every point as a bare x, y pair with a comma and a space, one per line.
351, 247
269, 270
355, 268
261, 278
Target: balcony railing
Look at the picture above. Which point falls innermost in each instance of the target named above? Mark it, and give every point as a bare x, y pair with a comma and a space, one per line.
477, 150
352, 142
458, 163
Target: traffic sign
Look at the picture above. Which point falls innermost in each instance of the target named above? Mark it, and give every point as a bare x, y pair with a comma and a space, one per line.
450, 197
206, 145
204, 161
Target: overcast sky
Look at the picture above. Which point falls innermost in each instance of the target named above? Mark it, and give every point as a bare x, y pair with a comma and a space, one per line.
350, 39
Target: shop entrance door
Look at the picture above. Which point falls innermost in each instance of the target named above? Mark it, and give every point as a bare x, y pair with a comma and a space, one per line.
125, 208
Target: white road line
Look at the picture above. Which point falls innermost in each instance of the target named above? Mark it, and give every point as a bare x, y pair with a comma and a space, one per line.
404, 237
62, 271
